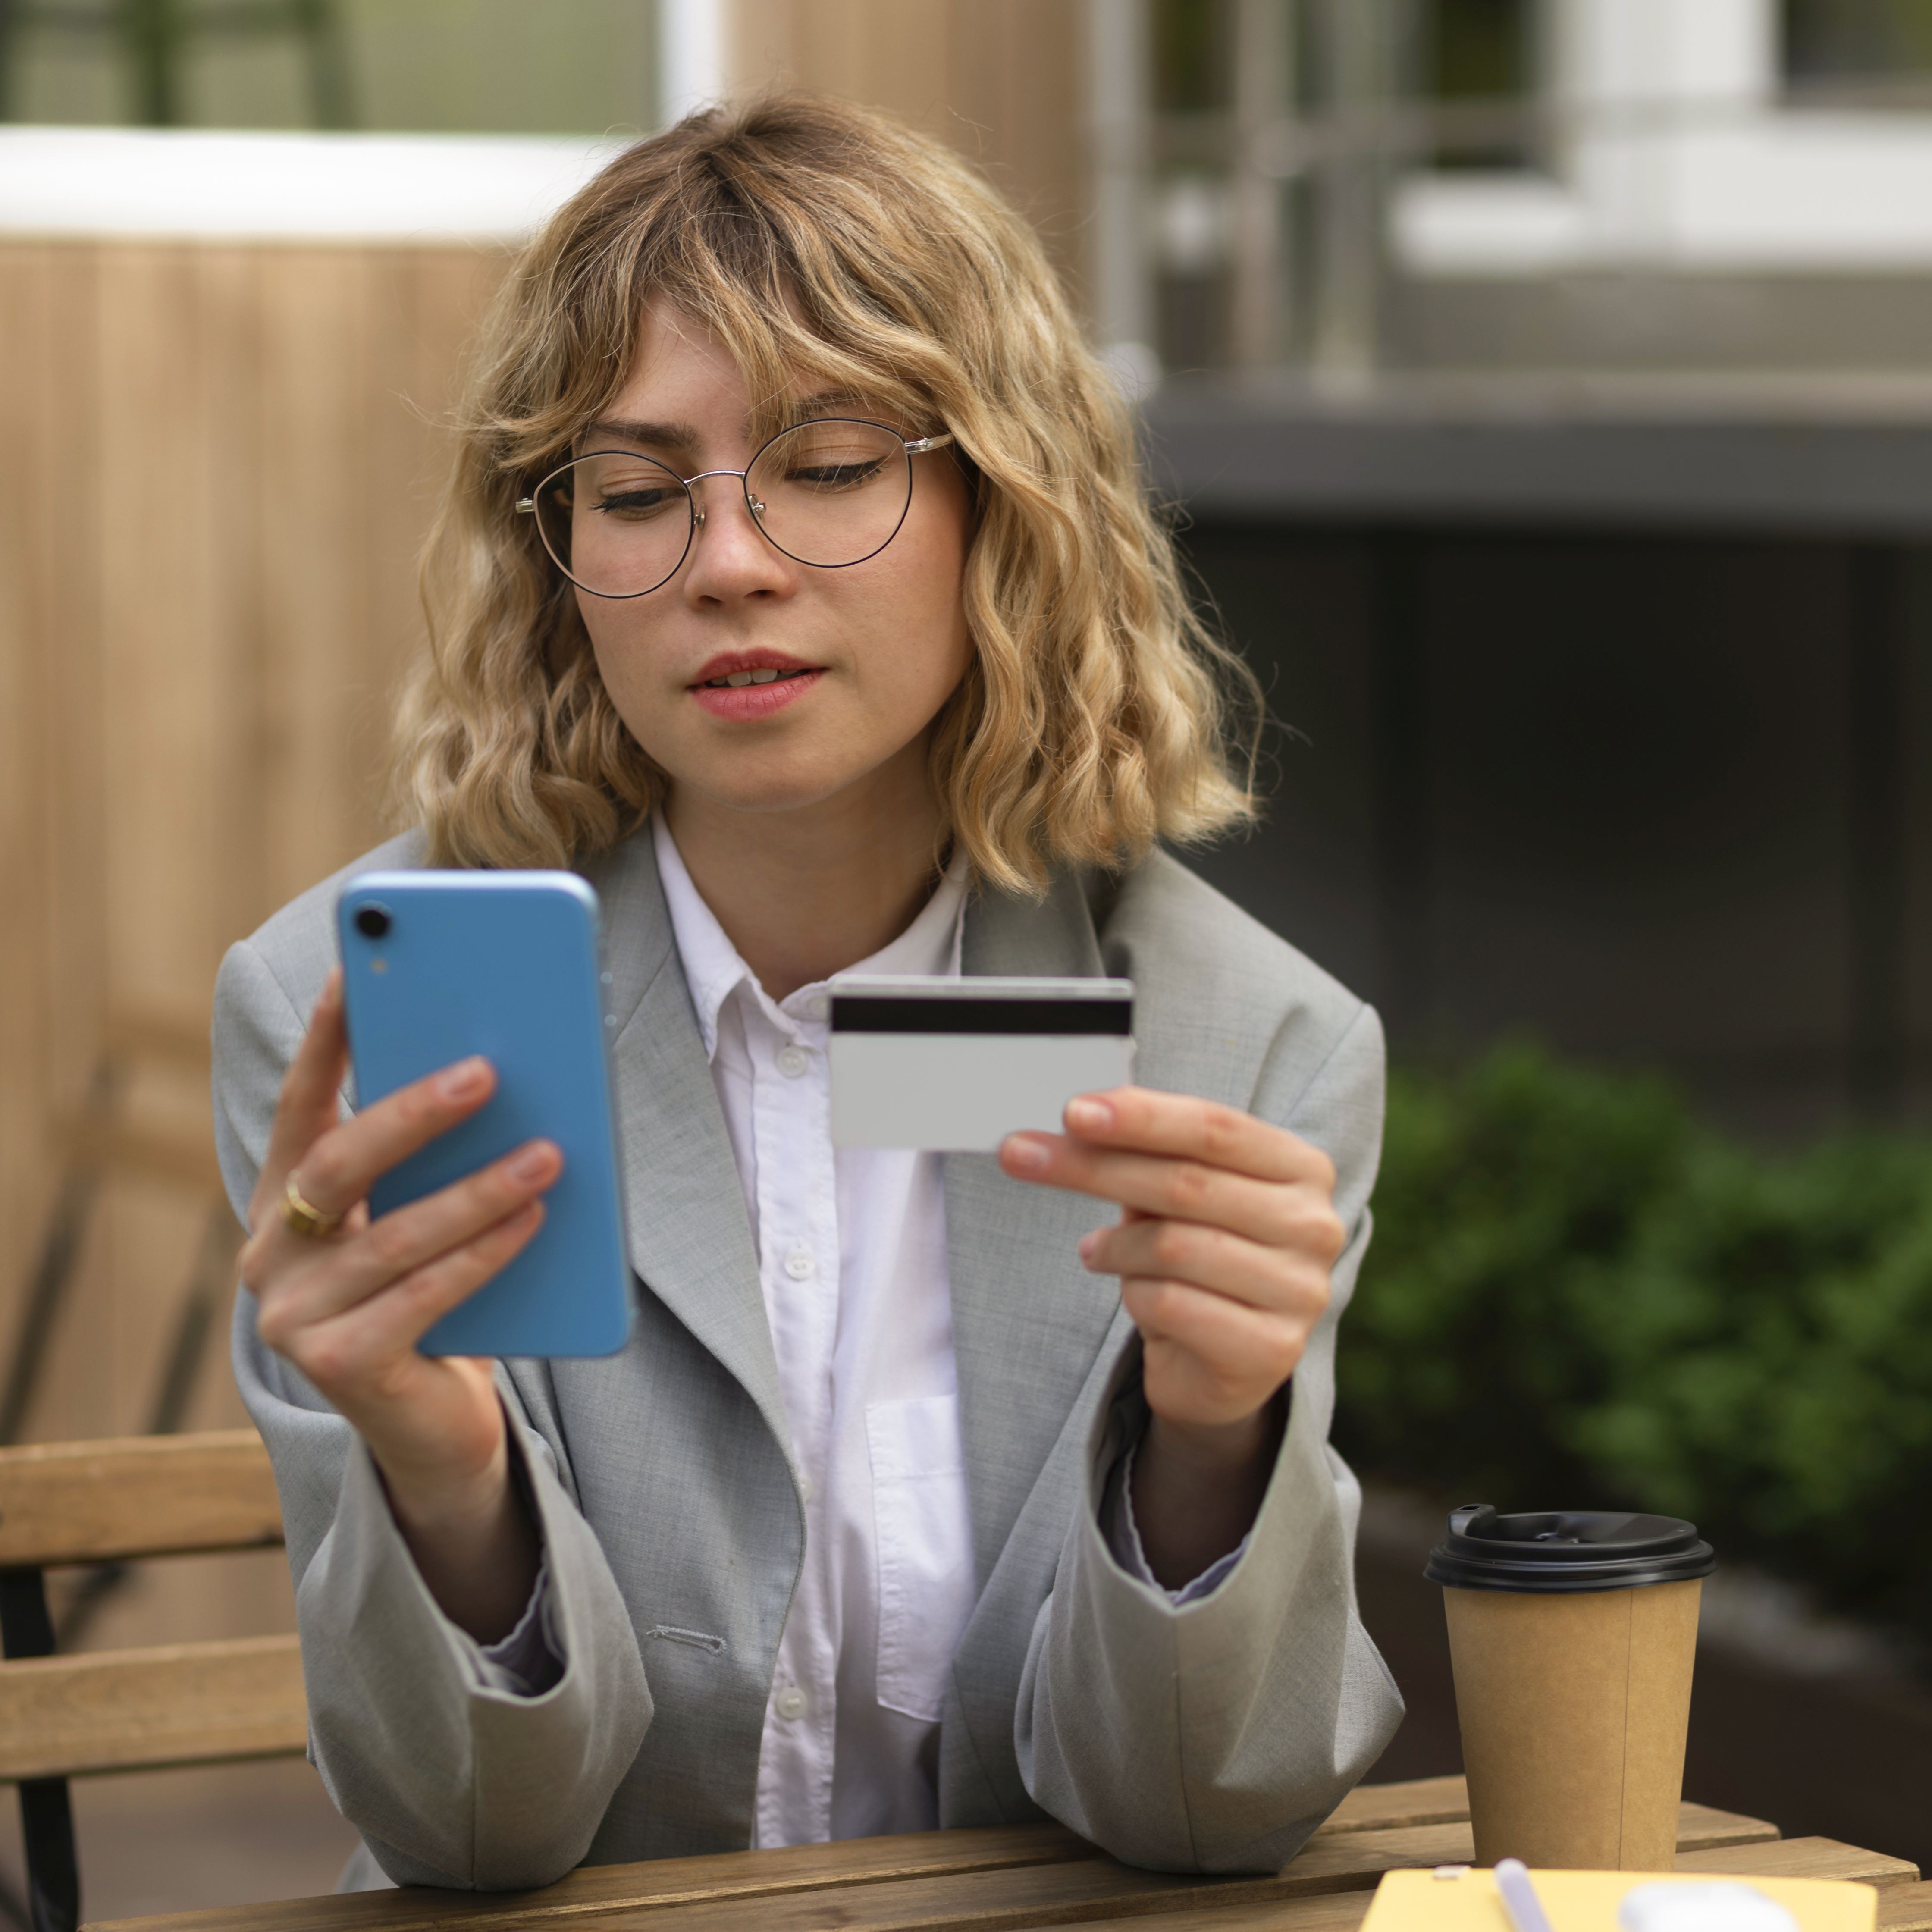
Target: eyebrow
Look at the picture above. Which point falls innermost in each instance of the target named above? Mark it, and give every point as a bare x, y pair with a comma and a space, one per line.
660, 435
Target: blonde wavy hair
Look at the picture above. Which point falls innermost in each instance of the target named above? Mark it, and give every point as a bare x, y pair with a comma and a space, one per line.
820, 241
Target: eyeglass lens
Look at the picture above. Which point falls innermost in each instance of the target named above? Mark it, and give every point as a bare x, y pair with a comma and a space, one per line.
829, 493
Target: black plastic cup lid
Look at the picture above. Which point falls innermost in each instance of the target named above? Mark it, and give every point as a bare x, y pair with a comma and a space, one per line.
1558, 1550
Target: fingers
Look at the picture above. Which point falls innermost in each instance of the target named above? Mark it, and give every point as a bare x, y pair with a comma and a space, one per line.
349, 1271
334, 1163
365, 1348
1228, 1359
1179, 1125
1274, 1213
338, 1169
334, 1172
309, 1102
1277, 1280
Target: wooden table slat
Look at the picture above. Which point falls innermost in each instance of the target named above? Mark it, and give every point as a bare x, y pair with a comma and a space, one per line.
1802, 1858
1703, 1828
1320, 1912
1905, 1908
1417, 1801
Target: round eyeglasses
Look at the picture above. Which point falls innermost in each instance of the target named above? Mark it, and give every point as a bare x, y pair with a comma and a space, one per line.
830, 492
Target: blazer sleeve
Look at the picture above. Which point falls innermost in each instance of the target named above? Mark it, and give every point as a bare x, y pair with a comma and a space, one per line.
451, 1779
1215, 1735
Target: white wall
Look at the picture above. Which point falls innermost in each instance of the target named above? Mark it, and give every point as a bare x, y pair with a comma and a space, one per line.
691, 56
201, 185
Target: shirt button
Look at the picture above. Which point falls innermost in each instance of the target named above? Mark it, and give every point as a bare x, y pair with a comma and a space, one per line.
792, 1060
818, 1007
798, 1264
790, 1701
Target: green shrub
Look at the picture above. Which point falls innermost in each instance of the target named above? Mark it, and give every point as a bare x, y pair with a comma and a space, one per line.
1579, 1297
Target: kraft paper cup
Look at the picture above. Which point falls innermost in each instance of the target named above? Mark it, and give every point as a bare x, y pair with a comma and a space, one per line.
1573, 1635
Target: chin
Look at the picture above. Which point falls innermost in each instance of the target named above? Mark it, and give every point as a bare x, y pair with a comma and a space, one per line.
752, 783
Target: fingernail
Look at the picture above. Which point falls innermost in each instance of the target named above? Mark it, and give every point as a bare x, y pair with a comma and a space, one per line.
1027, 1152
1089, 1117
466, 1078
533, 1163
1088, 1243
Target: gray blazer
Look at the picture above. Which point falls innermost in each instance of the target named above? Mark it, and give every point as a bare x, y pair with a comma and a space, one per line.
1212, 1737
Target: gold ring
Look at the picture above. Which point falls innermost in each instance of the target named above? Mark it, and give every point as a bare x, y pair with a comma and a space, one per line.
303, 1217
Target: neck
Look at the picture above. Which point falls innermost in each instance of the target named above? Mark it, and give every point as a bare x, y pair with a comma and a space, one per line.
804, 894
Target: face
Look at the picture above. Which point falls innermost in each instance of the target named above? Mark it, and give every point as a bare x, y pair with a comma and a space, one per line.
864, 656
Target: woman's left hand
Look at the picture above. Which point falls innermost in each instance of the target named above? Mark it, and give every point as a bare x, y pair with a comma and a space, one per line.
1227, 1235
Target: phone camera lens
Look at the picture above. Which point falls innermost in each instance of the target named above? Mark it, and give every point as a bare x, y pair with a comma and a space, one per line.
373, 922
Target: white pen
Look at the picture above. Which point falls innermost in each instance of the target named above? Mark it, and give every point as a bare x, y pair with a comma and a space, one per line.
1519, 1896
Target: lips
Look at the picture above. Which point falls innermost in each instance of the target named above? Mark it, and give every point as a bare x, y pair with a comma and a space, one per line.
743, 686
736, 670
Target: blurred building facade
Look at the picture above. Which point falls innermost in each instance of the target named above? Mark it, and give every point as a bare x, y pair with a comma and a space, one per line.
1545, 383
1233, 184
1511, 184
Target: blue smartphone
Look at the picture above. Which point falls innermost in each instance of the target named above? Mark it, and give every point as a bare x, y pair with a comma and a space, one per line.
439, 965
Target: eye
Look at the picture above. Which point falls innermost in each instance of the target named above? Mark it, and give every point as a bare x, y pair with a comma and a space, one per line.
638, 504
838, 476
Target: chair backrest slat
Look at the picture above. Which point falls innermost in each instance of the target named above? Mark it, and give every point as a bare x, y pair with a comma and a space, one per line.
153, 1495
131, 1710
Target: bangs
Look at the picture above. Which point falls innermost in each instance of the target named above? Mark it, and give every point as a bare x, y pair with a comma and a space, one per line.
813, 286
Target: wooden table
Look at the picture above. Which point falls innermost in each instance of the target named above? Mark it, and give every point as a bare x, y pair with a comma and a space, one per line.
1010, 1878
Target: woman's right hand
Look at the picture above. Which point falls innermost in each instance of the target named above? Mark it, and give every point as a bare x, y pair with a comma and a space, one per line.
347, 1308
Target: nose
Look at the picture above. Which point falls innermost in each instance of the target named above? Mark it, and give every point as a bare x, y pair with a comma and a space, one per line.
730, 557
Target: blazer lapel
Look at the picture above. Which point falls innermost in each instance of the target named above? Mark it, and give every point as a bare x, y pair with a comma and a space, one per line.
1028, 1317
689, 1240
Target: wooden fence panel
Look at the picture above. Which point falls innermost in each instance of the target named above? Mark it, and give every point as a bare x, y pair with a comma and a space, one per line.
217, 463
999, 79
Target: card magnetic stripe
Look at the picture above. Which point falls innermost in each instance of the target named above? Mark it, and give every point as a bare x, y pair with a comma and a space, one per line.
855, 1012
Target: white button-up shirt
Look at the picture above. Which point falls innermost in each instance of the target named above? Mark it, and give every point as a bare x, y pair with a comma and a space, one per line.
851, 1245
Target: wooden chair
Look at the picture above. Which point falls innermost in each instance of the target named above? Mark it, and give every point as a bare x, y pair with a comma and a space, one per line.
88, 1503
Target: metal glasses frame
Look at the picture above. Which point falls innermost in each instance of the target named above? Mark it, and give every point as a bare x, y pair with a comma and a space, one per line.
913, 446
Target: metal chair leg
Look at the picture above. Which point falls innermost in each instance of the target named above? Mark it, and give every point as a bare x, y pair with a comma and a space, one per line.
53, 1872
46, 1816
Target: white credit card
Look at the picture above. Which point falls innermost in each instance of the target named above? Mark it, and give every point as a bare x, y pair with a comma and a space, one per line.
955, 1066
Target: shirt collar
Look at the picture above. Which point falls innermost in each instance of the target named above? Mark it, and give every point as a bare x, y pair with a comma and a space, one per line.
929, 946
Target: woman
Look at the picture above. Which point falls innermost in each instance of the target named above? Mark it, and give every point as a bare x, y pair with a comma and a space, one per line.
796, 584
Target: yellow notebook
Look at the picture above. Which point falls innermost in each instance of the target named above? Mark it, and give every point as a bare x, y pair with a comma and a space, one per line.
1582, 1901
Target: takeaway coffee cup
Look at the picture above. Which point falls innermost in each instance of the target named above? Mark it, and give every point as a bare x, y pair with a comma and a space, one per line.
1573, 1634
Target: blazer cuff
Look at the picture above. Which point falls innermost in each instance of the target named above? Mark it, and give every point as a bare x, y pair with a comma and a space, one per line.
458, 1770
1245, 1715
